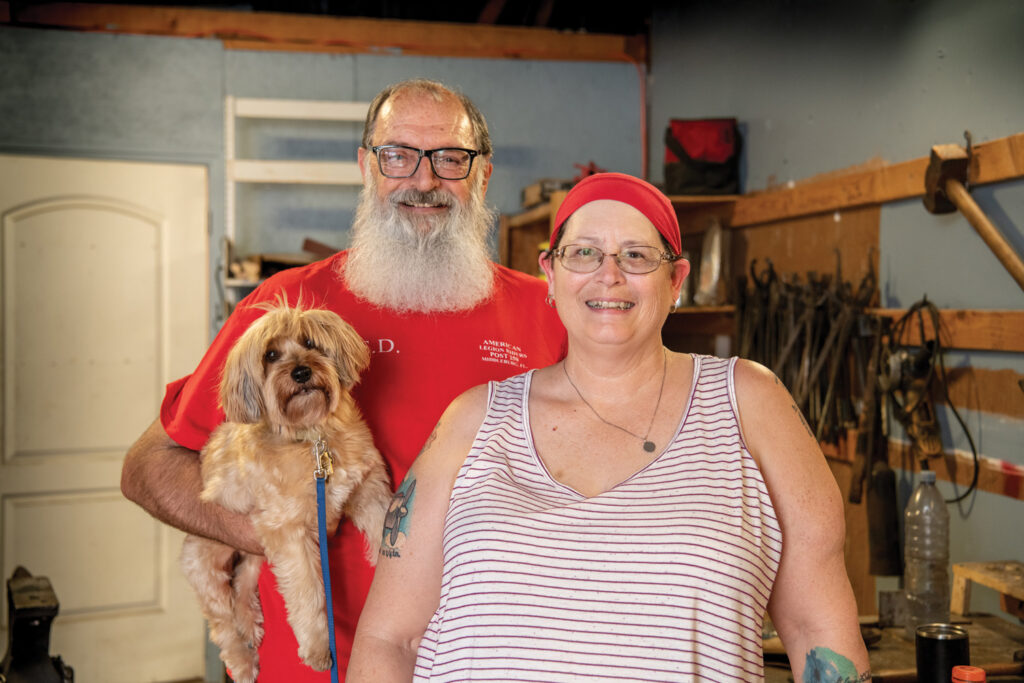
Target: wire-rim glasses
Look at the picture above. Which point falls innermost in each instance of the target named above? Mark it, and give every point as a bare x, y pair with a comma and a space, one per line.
400, 161
585, 258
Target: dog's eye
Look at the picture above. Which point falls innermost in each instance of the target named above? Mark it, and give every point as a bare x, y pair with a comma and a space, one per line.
271, 355
310, 344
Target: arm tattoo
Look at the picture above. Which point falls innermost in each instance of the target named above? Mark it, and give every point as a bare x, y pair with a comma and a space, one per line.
396, 522
823, 665
430, 440
803, 420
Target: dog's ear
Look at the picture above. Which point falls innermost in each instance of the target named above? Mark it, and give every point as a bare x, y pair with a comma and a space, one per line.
241, 387
351, 355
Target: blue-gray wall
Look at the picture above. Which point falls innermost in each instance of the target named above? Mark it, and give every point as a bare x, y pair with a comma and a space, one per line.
161, 99
819, 86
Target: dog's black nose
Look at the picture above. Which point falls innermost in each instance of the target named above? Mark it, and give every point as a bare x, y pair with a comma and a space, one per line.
301, 374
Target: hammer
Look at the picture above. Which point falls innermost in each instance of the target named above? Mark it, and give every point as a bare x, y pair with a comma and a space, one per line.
944, 192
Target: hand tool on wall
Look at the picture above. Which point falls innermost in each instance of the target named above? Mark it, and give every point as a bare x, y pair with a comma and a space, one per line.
945, 191
871, 466
804, 331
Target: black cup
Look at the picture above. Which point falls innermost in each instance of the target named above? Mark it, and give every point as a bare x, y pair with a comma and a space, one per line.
940, 647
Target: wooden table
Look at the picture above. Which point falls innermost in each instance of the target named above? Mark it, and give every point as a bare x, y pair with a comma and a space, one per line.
1005, 577
992, 640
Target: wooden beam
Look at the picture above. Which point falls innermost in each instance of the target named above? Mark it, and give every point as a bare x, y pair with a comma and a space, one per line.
305, 33
996, 330
994, 475
999, 392
993, 161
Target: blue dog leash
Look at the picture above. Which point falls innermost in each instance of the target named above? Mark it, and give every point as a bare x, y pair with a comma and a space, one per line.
324, 469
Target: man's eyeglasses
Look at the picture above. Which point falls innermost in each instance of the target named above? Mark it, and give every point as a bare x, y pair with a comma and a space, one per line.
399, 161
582, 258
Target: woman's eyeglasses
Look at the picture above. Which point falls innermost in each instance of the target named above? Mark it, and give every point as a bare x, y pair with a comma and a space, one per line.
582, 258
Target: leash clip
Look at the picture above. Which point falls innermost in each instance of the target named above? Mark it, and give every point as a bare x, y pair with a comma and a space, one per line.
322, 460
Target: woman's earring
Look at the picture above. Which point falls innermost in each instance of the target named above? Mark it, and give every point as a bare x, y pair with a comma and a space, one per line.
550, 300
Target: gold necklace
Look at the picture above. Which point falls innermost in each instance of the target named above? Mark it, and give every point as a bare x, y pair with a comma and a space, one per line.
647, 444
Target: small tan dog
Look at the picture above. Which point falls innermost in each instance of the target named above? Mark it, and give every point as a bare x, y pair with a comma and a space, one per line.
285, 389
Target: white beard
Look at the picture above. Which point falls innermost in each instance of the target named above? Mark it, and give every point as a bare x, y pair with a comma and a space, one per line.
446, 267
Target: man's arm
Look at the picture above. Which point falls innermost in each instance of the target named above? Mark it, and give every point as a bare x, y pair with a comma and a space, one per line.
812, 604
164, 479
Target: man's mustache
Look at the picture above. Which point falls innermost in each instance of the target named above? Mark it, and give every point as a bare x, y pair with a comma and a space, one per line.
436, 197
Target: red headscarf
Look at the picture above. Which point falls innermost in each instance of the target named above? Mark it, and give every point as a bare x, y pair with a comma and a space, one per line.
641, 195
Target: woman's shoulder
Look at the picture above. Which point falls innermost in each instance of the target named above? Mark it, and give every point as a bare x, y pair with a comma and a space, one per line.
448, 445
754, 382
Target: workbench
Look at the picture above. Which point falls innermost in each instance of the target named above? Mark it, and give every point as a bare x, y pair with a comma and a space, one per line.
992, 640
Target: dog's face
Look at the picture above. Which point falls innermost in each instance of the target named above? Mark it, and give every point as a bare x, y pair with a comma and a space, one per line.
290, 368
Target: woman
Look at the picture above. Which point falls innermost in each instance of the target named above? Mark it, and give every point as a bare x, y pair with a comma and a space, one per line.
629, 513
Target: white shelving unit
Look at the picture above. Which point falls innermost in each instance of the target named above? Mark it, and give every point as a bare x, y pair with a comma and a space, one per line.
278, 170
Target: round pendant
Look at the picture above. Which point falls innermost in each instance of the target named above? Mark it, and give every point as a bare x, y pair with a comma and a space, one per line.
649, 446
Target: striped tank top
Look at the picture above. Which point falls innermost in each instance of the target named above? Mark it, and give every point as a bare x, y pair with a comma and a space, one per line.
665, 577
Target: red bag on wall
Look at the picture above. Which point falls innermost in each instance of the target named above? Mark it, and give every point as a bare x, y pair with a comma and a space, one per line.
702, 156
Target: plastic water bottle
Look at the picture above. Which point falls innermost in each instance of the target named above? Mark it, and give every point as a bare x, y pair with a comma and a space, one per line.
926, 556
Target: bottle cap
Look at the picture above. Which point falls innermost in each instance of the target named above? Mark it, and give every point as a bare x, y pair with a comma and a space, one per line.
928, 476
965, 674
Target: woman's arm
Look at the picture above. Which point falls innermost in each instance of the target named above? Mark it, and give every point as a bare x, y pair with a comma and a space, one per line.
406, 586
812, 604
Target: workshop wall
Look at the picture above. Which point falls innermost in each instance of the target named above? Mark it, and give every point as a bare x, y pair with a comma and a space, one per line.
161, 99
816, 86
824, 86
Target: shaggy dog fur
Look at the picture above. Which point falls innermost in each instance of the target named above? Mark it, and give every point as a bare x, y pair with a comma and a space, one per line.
285, 386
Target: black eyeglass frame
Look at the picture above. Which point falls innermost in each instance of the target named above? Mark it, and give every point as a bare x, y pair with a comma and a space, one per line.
429, 153
665, 257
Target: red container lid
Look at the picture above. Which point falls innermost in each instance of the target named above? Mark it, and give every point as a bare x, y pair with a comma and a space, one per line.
963, 674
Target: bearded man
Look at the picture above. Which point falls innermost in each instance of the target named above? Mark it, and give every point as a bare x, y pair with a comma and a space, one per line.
418, 285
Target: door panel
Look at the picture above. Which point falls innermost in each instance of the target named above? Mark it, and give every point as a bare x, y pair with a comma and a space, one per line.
104, 301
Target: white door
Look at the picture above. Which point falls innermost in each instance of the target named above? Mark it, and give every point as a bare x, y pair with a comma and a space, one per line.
104, 300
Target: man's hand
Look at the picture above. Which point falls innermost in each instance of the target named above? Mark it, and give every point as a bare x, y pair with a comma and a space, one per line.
164, 479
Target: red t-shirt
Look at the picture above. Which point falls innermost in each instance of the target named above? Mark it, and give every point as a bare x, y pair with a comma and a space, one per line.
419, 363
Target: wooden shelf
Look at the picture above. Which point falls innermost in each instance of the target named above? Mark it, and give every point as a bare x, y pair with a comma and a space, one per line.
706, 310
239, 283
684, 200
295, 172
278, 171
301, 110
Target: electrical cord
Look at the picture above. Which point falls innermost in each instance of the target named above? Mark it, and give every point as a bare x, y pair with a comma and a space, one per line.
937, 352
